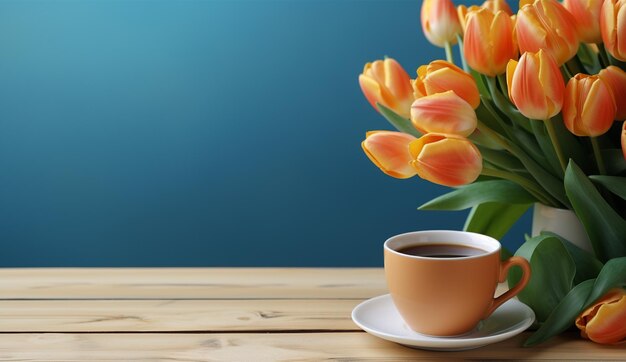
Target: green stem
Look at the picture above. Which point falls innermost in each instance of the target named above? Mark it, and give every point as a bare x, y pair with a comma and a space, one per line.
449, 55
555, 199
555, 142
459, 39
566, 73
574, 66
522, 181
503, 86
604, 60
598, 155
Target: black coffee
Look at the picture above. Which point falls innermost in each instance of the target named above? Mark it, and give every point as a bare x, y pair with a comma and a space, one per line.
441, 250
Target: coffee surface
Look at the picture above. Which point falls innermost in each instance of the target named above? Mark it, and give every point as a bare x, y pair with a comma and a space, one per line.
441, 250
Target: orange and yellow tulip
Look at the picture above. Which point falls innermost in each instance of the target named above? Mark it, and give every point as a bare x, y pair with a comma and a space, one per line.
488, 43
616, 79
441, 76
445, 159
587, 16
546, 24
443, 113
536, 85
588, 106
387, 83
613, 27
389, 151
440, 22
605, 321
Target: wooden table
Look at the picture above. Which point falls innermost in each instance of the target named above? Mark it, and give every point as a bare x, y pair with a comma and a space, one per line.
217, 315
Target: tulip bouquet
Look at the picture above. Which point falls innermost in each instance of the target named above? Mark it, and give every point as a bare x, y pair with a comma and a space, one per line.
534, 113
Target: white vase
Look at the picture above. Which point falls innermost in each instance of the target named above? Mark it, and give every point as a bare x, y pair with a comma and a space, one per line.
562, 222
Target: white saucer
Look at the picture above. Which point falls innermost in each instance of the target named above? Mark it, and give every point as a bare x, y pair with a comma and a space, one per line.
379, 316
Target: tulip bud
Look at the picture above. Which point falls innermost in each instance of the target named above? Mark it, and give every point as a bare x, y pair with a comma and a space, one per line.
605, 320
587, 17
546, 24
440, 76
440, 22
446, 159
613, 27
497, 5
488, 43
588, 106
389, 151
616, 79
443, 113
536, 85
386, 82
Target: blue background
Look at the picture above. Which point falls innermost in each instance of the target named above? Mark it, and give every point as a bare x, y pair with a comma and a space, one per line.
197, 133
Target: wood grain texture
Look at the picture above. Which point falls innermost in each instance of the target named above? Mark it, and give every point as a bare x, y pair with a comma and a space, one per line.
191, 283
176, 315
275, 347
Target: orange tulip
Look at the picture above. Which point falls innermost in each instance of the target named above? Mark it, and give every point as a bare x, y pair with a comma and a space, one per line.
587, 16
546, 24
488, 43
498, 5
616, 79
446, 159
624, 139
536, 85
440, 22
443, 113
613, 27
441, 76
605, 320
386, 82
588, 106
389, 151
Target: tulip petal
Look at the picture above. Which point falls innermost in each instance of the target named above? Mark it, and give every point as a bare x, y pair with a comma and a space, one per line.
443, 113
446, 159
389, 151
616, 79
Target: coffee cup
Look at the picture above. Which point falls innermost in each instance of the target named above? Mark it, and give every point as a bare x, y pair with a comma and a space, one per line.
443, 282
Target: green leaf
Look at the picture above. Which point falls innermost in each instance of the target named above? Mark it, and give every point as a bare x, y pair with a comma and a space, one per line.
478, 193
615, 184
552, 276
494, 219
606, 229
502, 159
400, 123
612, 275
563, 316
589, 59
545, 143
587, 266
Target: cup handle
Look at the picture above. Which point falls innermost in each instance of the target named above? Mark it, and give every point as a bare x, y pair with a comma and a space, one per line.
504, 269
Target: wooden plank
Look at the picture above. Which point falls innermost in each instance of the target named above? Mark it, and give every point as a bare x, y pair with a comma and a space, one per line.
275, 347
176, 315
190, 283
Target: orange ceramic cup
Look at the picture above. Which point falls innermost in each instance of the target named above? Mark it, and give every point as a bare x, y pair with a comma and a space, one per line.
448, 296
